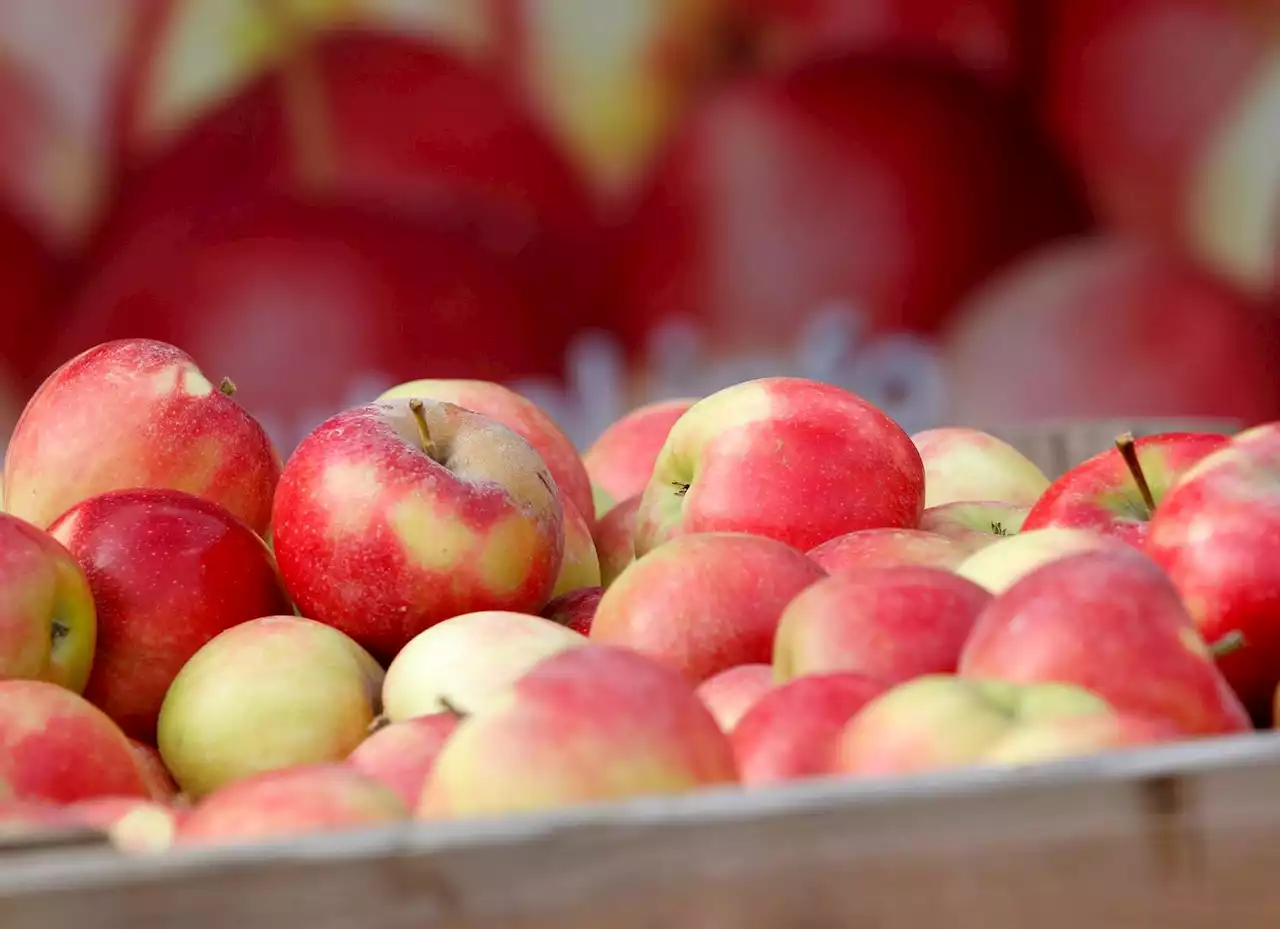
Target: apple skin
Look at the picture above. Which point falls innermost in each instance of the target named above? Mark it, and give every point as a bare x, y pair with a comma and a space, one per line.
974, 523
160, 783
575, 610
732, 692
788, 458
401, 755
869, 548
940, 721
468, 661
1212, 535
791, 731
998, 566
1100, 494
308, 692
377, 538
48, 627
587, 725
1113, 623
136, 413
580, 566
704, 603
887, 623
620, 461
968, 464
615, 540
134, 826
169, 571
59, 747
294, 801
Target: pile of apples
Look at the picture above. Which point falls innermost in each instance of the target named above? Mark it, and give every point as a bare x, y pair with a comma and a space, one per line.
435, 608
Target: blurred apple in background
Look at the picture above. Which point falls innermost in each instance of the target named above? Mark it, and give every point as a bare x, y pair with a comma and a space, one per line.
732, 692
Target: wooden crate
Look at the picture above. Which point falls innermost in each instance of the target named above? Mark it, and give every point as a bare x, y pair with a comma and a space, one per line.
1179, 837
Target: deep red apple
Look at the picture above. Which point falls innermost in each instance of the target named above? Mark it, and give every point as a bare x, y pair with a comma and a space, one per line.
576, 609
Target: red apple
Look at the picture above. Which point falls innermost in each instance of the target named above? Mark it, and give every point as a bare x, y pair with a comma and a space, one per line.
1117, 492
969, 464
788, 458
49, 628
1120, 315
620, 461
1111, 622
56, 746
887, 623
134, 826
394, 516
732, 692
301, 800
881, 547
137, 413
974, 524
575, 610
401, 755
160, 783
791, 732
704, 603
587, 725
615, 539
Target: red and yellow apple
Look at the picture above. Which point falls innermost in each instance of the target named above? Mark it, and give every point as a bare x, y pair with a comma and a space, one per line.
998, 566
732, 692
614, 539
974, 524
401, 755
969, 464
869, 548
620, 461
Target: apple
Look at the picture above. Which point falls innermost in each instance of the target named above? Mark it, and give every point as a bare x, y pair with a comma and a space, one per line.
575, 610
294, 801
48, 627
1081, 735
614, 539
887, 623
159, 781
136, 413
975, 524
1212, 535
704, 603
271, 693
620, 461
401, 755
1117, 491
969, 464
59, 747
940, 722
788, 458
998, 566
879, 547
603, 500
1098, 302
394, 516
134, 826
734, 691
1111, 622
791, 731
469, 661
169, 571
580, 566
586, 725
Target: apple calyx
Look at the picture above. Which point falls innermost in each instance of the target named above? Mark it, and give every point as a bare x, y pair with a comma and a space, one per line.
453, 709
681, 488
1129, 452
58, 630
997, 528
227, 388
424, 429
1232, 642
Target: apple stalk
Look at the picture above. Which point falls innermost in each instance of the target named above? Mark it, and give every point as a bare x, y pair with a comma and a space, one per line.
1129, 452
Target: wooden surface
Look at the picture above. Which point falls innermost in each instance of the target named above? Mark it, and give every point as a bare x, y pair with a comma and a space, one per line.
1183, 837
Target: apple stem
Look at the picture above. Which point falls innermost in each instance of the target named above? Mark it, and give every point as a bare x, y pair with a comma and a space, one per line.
424, 429
1129, 452
1231, 642
228, 387
453, 709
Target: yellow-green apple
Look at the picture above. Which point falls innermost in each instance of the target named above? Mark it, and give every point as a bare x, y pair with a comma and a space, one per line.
270, 693
603, 500
575, 610
160, 783
615, 539
401, 755
704, 603
890, 624
940, 722
589, 724
137, 413
523, 417
1118, 491
134, 826
1111, 622
169, 571
299, 800
792, 459
620, 461
974, 524
869, 548
1211, 535
729, 694
393, 516
969, 464
791, 731
468, 661
999, 565
48, 626
580, 566
57, 746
